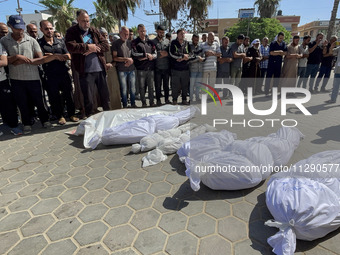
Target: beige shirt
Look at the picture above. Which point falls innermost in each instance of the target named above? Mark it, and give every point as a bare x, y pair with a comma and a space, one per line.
336, 52
27, 47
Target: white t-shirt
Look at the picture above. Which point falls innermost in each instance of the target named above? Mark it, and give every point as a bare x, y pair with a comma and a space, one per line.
3, 75
304, 51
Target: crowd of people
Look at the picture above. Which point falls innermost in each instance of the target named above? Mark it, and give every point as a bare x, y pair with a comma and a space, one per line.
89, 68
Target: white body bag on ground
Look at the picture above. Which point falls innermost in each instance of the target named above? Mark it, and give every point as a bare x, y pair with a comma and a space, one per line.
304, 202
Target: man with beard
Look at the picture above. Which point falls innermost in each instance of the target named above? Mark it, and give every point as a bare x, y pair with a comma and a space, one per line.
56, 72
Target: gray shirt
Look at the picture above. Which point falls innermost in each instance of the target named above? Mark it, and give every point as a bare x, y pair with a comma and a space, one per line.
123, 50
304, 51
27, 47
162, 63
237, 62
225, 67
2, 69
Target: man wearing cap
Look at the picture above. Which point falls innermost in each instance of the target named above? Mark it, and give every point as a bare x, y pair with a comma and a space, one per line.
87, 47
24, 54
56, 72
162, 66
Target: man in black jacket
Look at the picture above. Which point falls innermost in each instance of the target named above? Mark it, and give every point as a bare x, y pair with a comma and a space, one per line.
144, 53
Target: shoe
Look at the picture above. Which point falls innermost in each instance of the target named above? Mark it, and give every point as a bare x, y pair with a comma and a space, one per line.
159, 103
184, 102
74, 119
323, 90
153, 105
316, 90
62, 121
16, 131
311, 91
134, 106
47, 124
27, 129
174, 102
168, 102
144, 105
330, 102
137, 97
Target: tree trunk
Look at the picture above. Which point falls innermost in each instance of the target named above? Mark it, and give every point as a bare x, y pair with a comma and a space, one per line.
332, 20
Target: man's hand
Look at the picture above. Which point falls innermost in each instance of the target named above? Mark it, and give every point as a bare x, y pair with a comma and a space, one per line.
186, 57
200, 59
22, 59
149, 56
163, 53
109, 65
61, 57
325, 43
92, 48
128, 62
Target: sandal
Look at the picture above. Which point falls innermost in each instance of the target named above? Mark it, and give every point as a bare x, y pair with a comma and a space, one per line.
74, 119
62, 121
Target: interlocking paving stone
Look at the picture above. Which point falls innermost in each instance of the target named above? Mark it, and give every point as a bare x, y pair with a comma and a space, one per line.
97, 230
193, 207
45, 206
13, 187
97, 183
133, 165
135, 175
173, 222
116, 185
138, 187
61, 170
118, 216
14, 221
97, 172
32, 190
117, 199
246, 212
62, 247
76, 181
114, 240
29, 246
159, 189
214, 245
145, 219
35, 158
79, 171
249, 247
68, 210
73, 194
93, 212
182, 243
13, 165
155, 177
332, 243
125, 252
116, 174
44, 169
37, 225
93, 250
3, 183
218, 209
53, 191
57, 179
3, 213
23, 203
81, 162
21, 176
7, 240
150, 241
141, 201
175, 178
63, 229
39, 178
164, 204
319, 251
30, 166
94, 197
201, 225
227, 228
98, 163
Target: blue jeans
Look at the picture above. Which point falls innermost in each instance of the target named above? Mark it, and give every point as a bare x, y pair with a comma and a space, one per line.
124, 79
336, 84
195, 77
312, 70
325, 72
302, 77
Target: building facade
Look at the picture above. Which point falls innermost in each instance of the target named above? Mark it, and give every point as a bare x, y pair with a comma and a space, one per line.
315, 27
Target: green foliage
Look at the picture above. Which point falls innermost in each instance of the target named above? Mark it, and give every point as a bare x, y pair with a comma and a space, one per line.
266, 8
258, 28
102, 18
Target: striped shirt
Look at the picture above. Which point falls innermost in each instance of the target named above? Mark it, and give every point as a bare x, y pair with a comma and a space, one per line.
27, 47
265, 53
210, 63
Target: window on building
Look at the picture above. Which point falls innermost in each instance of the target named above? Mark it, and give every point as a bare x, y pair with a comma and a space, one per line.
311, 33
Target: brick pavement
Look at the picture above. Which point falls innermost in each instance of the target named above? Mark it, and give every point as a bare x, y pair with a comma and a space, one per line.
57, 198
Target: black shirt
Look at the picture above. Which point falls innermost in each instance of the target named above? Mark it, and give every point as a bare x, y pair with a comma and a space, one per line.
177, 51
123, 50
315, 57
274, 46
54, 67
139, 50
327, 61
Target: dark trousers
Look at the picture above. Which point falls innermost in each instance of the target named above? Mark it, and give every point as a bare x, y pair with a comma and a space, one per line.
180, 81
324, 72
146, 79
56, 84
88, 84
273, 70
26, 91
162, 76
8, 107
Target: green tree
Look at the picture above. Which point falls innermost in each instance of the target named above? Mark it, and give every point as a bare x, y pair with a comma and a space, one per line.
258, 28
266, 8
198, 12
134, 30
119, 9
63, 13
332, 20
102, 18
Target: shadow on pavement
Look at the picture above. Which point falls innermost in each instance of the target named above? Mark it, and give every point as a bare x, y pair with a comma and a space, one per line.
315, 109
328, 134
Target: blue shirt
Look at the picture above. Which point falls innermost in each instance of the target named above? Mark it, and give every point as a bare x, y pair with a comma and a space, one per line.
265, 53
92, 63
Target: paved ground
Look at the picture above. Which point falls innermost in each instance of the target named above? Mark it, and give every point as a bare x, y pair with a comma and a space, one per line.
57, 198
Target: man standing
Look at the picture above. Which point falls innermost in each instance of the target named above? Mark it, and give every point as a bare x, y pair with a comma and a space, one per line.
121, 50
87, 47
131, 35
336, 84
314, 60
204, 38
302, 66
162, 66
212, 51
24, 54
238, 52
278, 49
264, 50
32, 31
326, 65
3, 30
196, 68
179, 53
56, 72
144, 53
223, 66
